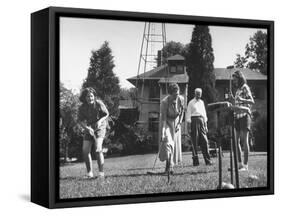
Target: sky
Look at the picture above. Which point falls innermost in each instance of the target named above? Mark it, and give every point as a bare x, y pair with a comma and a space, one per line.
79, 36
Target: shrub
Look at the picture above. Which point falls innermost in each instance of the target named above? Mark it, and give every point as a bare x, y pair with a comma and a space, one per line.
134, 140
259, 131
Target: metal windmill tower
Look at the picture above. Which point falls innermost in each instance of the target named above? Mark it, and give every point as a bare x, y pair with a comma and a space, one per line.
154, 39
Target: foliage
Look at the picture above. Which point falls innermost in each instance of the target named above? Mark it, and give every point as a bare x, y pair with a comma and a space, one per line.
240, 61
70, 134
255, 53
172, 48
128, 94
200, 63
102, 78
259, 131
134, 140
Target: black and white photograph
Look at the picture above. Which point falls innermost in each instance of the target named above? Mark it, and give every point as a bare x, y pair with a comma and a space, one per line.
161, 108
140, 107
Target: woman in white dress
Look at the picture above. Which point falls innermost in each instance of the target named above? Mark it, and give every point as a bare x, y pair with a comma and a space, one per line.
171, 116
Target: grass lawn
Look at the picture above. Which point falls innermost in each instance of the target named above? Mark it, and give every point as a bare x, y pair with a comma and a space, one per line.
128, 175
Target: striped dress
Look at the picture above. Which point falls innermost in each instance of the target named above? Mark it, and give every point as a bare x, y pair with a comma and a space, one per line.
245, 93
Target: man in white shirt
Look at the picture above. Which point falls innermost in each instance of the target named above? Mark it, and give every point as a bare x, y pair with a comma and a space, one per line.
197, 127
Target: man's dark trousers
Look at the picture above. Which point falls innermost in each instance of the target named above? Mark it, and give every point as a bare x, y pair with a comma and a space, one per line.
199, 137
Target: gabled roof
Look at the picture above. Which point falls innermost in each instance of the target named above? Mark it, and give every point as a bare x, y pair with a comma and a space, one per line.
177, 78
224, 74
156, 73
176, 57
161, 74
126, 104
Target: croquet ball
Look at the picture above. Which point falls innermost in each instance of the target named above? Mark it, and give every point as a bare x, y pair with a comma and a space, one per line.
227, 186
253, 177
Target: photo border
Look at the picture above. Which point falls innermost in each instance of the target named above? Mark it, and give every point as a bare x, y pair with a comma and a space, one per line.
54, 78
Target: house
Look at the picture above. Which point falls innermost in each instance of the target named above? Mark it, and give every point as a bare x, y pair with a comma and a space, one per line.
152, 88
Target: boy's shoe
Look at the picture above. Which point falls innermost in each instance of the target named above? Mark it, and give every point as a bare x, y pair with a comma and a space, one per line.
240, 165
244, 168
89, 175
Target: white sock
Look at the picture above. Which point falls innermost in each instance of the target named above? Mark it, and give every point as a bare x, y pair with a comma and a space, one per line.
90, 174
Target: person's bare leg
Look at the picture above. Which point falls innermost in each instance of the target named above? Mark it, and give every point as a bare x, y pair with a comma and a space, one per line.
100, 157
245, 143
239, 152
87, 146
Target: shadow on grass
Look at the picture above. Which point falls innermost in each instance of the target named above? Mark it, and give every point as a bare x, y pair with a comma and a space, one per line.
149, 173
146, 168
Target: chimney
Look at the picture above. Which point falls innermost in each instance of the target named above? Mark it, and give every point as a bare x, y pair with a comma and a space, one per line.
159, 58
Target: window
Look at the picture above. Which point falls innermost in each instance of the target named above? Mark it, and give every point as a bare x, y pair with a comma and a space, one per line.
164, 87
153, 121
173, 69
177, 69
180, 69
154, 91
182, 88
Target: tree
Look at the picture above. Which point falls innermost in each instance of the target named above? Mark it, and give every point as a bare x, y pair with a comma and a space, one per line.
128, 94
70, 135
172, 48
240, 61
200, 63
102, 78
255, 53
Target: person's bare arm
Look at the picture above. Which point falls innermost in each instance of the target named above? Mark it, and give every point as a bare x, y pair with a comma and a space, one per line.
188, 116
249, 99
163, 117
106, 114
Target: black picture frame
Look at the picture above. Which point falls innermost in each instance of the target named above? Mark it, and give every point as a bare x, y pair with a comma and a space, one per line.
45, 106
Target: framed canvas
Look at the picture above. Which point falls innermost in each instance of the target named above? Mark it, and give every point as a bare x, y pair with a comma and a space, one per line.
134, 107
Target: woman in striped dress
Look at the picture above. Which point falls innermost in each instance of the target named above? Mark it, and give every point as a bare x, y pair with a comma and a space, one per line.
244, 99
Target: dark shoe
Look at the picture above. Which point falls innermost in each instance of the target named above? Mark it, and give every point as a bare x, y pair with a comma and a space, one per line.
210, 163
195, 161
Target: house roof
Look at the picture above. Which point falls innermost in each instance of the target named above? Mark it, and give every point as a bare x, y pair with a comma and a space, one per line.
178, 78
161, 74
224, 74
175, 57
126, 104
156, 73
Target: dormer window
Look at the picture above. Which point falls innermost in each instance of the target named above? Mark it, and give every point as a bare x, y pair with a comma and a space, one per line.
176, 64
179, 69
173, 69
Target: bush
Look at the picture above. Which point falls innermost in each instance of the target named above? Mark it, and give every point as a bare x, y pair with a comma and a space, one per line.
259, 131
134, 140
